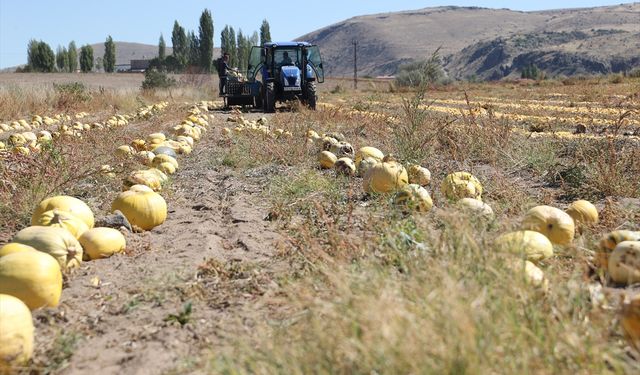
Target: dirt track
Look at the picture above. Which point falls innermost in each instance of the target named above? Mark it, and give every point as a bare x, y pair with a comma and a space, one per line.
215, 251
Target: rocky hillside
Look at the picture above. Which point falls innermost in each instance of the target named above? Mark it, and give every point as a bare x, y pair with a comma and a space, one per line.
487, 43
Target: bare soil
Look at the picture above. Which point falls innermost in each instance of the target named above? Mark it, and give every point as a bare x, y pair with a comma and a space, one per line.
216, 252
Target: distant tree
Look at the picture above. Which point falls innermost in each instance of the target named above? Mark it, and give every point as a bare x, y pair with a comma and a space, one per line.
233, 48
531, 71
224, 39
40, 57
161, 48
193, 57
61, 59
73, 57
180, 44
86, 58
265, 33
99, 63
254, 39
242, 52
206, 40
109, 60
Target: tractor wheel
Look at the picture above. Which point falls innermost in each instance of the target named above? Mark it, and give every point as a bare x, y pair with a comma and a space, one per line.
312, 97
269, 98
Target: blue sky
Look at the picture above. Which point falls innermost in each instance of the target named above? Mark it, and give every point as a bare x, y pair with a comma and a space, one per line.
60, 21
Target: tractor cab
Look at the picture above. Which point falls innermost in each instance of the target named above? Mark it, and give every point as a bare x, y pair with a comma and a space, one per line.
287, 71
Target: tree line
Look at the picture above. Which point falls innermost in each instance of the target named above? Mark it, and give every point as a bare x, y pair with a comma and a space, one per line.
41, 59
194, 53
191, 52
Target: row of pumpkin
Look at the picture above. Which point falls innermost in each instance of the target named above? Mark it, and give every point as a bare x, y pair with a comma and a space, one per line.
542, 227
28, 142
62, 235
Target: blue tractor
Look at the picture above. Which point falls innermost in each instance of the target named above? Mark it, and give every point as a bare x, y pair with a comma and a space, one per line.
278, 72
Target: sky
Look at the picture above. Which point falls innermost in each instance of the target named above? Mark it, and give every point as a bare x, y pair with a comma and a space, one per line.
87, 22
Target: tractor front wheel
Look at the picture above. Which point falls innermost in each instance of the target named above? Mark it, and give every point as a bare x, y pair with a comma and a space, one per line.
269, 98
312, 96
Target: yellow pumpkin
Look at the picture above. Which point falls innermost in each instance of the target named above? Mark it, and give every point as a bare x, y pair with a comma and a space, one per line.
413, 197
20, 150
554, 223
476, 207
624, 263
419, 175
156, 138
342, 149
162, 158
145, 157
365, 165
33, 277
143, 209
534, 246
144, 177
630, 320
102, 243
166, 167
107, 170
57, 242
72, 205
532, 274
368, 152
185, 139
125, 151
13, 247
385, 177
583, 212
139, 144
185, 149
345, 166
610, 241
16, 333
16, 140
62, 219
327, 159
460, 185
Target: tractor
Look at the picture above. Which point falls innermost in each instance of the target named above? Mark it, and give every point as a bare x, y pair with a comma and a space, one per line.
277, 72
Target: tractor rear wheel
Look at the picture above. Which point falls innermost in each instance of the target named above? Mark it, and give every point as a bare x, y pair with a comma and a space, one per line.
312, 96
269, 98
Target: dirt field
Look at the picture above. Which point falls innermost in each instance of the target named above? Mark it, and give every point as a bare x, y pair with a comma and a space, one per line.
268, 264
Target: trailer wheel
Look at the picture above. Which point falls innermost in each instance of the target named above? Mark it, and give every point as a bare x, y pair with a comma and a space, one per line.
269, 98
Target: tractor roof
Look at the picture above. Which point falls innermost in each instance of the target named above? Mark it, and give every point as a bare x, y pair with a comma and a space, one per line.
287, 44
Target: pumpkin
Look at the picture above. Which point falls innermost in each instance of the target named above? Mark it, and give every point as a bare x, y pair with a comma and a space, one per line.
13, 247
327, 159
610, 241
419, 175
158, 173
74, 206
385, 177
143, 209
533, 245
156, 138
583, 212
107, 170
32, 276
630, 320
164, 150
624, 263
162, 158
145, 157
365, 165
476, 207
57, 242
125, 151
328, 142
144, 177
16, 333
342, 149
368, 152
139, 144
166, 167
460, 185
532, 274
185, 139
16, 140
102, 243
554, 223
413, 197
62, 219
345, 166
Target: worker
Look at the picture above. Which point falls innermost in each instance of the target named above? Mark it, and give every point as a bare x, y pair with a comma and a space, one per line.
223, 71
286, 60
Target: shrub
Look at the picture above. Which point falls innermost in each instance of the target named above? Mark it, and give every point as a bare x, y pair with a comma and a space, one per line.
419, 73
154, 79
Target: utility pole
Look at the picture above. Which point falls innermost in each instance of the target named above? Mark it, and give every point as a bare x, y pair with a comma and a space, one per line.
355, 64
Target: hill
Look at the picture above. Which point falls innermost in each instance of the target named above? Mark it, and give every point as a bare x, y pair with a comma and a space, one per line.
486, 43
